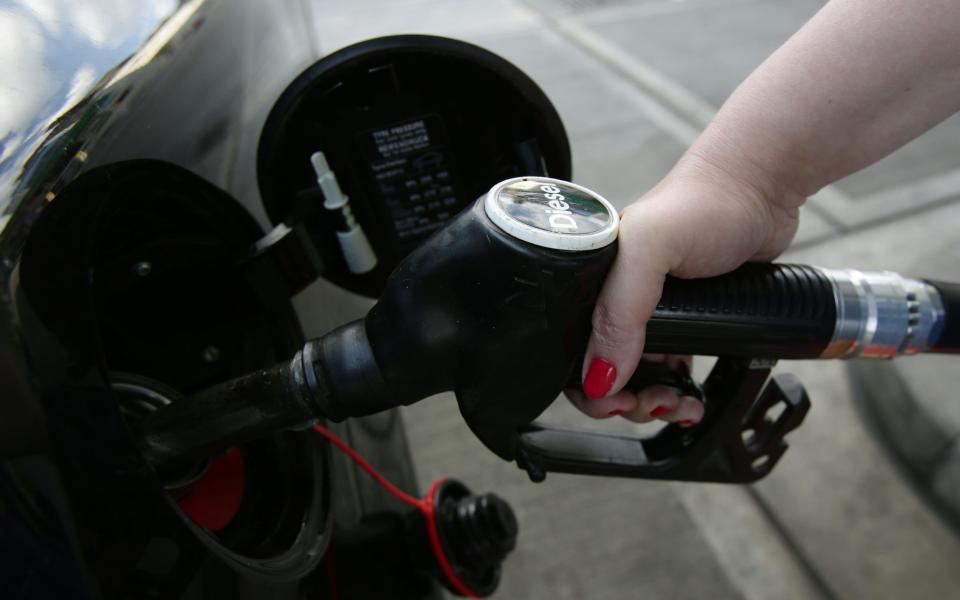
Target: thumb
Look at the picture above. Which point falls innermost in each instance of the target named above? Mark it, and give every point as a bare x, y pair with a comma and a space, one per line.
628, 298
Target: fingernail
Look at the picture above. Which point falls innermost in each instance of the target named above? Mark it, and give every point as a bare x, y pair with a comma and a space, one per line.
660, 410
686, 423
615, 412
599, 378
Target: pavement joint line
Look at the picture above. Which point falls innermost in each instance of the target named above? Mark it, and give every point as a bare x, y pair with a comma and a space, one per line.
752, 582
838, 226
612, 14
880, 221
309, 21
794, 545
819, 205
927, 190
613, 128
521, 19
658, 113
661, 116
928, 193
687, 105
919, 478
815, 241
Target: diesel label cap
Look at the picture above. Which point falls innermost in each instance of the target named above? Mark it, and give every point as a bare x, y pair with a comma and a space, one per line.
552, 213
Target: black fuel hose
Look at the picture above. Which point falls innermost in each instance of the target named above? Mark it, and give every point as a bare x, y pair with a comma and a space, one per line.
784, 311
759, 310
948, 340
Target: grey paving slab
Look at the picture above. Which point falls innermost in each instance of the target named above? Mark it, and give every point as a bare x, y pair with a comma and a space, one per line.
588, 99
932, 154
850, 510
838, 491
813, 227
945, 483
934, 384
890, 203
623, 163
746, 543
924, 446
915, 435
709, 47
698, 52
338, 23
913, 403
564, 7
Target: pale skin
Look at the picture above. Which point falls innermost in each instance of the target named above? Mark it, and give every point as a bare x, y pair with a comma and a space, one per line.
856, 82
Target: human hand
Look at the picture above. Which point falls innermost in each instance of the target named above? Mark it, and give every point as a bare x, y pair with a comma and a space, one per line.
802, 120
702, 220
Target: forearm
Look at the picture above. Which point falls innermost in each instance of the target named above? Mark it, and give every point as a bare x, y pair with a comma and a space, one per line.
859, 80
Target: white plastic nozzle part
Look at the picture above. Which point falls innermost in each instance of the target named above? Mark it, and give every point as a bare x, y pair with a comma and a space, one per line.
357, 252
333, 198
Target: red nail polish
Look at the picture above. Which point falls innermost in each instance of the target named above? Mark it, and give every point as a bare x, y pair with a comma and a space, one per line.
686, 423
599, 378
615, 412
660, 410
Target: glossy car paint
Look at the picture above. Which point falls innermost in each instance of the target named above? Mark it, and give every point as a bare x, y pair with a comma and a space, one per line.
183, 88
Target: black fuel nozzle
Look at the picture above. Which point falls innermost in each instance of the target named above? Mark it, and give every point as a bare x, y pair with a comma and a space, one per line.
497, 306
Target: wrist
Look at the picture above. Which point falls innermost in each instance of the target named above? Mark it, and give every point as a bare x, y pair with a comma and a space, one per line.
712, 215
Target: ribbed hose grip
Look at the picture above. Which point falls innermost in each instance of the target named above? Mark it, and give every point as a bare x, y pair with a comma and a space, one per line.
758, 310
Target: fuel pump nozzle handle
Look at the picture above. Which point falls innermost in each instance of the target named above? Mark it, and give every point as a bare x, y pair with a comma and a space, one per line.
496, 307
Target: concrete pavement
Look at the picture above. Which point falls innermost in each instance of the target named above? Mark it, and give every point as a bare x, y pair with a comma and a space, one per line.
634, 83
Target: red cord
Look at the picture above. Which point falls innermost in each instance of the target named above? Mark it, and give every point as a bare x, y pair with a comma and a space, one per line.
355, 457
425, 505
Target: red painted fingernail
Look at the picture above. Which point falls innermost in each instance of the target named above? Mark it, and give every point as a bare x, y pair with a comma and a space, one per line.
615, 412
660, 410
599, 378
686, 423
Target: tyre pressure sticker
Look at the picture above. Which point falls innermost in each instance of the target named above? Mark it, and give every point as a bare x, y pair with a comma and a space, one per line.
411, 164
403, 139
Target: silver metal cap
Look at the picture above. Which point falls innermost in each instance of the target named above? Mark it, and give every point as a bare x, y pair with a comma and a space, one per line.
552, 213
